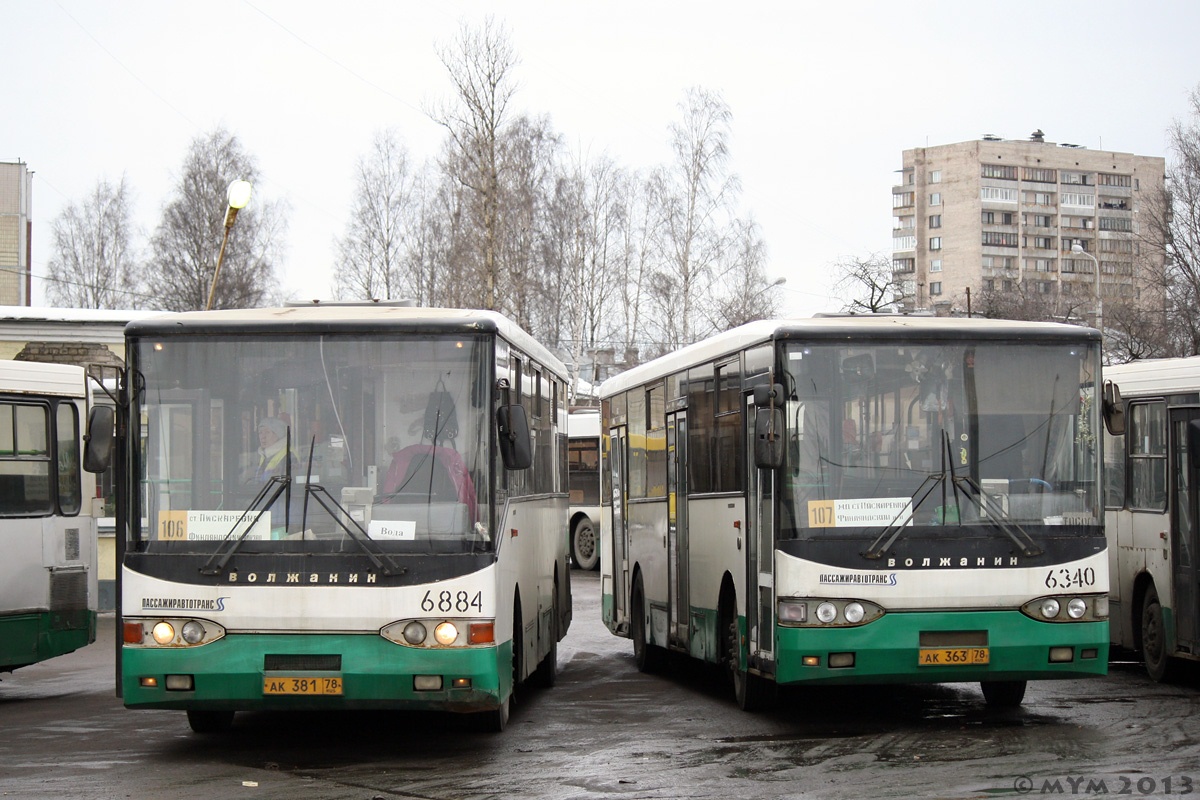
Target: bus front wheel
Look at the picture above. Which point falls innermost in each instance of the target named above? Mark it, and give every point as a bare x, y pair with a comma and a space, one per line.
1154, 637
1003, 694
210, 721
752, 692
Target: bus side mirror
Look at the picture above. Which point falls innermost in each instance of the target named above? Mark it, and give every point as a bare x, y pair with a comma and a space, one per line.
769, 433
1113, 409
513, 433
98, 444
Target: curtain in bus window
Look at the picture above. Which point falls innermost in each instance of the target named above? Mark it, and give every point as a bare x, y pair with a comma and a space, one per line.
1114, 470
656, 443
637, 444
69, 492
24, 461
1148, 456
729, 465
701, 405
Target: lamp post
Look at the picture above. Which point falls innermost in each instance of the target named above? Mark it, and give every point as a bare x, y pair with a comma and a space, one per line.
1077, 249
238, 196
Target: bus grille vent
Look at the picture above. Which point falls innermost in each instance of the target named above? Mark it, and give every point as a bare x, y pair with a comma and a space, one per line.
71, 545
303, 662
68, 590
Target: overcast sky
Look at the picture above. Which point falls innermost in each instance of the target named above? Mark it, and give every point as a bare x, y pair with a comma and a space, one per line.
825, 97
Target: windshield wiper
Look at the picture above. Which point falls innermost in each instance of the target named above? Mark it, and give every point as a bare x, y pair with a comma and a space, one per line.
353, 530
280, 483
963, 486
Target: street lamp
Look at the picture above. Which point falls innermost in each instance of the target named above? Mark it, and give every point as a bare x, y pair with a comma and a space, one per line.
1077, 249
239, 195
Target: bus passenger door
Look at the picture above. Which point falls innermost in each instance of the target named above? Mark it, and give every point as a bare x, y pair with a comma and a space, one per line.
760, 551
1184, 486
677, 527
620, 532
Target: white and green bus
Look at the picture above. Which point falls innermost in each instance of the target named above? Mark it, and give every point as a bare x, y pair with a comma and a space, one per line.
1152, 502
48, 510
583, 474
341, 507
859, 500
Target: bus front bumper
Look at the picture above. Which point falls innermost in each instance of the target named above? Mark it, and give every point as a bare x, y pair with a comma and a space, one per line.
907, 647
353, 671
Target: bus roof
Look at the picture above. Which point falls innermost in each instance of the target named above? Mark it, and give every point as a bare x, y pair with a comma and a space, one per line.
32, 377
366, 318
583, 423
1156, 376
844, 328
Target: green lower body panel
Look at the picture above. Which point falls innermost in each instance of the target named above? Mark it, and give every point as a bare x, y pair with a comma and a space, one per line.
371, 673
889, 650
29, 638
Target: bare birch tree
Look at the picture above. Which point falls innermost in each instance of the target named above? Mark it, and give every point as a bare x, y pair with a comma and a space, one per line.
744, 294
480, 64
1169, 235
184, 247
93, 263
694, 195
373, 249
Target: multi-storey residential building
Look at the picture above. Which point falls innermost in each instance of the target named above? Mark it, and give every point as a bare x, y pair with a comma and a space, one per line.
1034, 217
15, 198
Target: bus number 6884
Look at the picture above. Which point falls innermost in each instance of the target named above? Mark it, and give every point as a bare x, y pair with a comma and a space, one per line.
446, 601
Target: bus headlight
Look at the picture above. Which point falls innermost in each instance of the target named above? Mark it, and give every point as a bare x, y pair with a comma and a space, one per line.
793, 612
169, 632
414, 632
163, 632
446, 633
192, 632
1079, 608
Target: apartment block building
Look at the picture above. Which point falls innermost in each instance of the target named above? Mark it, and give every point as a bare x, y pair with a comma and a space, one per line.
1022, 216
16, 190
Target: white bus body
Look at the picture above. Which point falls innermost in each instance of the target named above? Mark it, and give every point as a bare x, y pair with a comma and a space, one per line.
583, 475
1151, 487
48, 589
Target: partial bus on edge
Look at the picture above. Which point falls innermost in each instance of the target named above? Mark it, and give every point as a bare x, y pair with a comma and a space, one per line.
583, 473
408, 554
1152, 501
48, 510
861, 500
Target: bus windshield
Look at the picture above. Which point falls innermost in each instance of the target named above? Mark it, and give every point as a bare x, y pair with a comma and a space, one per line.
319, 443
983, 434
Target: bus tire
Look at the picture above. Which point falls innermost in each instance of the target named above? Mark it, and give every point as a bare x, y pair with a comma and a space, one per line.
585, 552
1154, 638
752, 692
496, 719
1003, 694
210, 721
647, 657
547, 671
